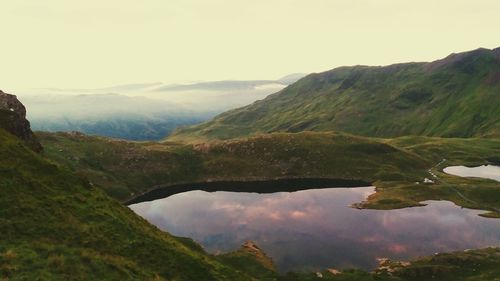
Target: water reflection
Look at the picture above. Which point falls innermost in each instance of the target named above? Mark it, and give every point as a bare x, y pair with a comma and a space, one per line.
315, 229
485, 171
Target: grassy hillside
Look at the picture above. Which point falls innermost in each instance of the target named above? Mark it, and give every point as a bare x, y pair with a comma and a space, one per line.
394, 166
56, 226
454, 97
125, 169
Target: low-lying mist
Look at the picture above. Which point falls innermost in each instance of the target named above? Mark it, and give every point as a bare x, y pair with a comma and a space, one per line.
149, 111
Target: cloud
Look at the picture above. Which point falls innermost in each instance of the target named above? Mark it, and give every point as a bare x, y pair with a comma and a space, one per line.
298, 214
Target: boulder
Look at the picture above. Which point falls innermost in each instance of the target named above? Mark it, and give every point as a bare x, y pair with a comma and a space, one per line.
13, 120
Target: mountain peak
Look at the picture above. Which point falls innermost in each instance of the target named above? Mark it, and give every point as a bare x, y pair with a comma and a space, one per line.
496, 52
458, 59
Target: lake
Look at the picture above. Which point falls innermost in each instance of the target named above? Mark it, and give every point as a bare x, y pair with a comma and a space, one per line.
484, 171
317, 229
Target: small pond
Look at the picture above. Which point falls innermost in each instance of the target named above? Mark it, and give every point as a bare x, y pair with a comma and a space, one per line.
317, 229
484, 171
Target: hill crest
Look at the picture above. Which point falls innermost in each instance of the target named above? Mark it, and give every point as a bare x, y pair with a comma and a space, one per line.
457, 96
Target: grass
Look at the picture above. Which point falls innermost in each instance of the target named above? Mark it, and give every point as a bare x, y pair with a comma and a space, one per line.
56, 225
251, 259
472, 265
464, 265
394, 166
137, 167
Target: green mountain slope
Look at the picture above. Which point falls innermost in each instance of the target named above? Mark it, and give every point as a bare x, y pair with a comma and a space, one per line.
458, 96
56, 226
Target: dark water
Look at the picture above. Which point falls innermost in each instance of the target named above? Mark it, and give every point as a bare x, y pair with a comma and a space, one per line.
316, 229
484, 171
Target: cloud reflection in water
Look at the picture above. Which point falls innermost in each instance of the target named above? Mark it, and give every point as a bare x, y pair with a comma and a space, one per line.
314, 229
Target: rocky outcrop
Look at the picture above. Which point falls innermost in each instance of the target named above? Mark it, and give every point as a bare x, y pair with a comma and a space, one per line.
250, 248
13, 120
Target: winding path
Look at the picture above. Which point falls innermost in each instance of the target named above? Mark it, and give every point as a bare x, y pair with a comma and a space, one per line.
460, 194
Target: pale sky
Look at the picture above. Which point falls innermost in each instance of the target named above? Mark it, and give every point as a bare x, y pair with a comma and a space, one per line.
98, 43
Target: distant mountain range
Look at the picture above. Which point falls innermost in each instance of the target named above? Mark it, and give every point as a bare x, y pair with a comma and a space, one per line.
147, 111
458, 96
112, 115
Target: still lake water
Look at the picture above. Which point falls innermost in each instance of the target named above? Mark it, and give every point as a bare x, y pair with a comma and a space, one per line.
484, 171
317, 229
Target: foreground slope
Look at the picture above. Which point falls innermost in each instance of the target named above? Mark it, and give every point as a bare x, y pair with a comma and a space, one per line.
457, 96
56, 226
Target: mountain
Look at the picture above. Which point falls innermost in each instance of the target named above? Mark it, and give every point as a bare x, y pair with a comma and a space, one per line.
457, 96
291, 78
234, 85
220, 96
225, 85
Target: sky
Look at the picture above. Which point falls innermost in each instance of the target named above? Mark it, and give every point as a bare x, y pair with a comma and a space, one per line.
95, 43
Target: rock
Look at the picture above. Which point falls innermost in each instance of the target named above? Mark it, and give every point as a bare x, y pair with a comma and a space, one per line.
11, 103
13, 120
251, 248
334, 271
428, 181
